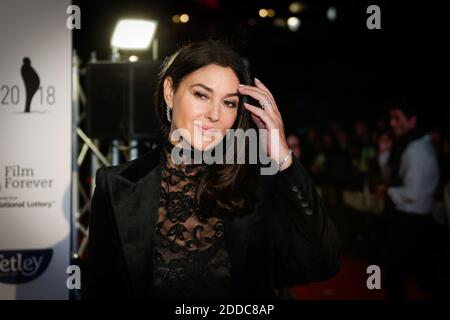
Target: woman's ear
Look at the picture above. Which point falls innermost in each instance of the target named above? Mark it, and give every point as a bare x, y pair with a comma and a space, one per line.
168, 91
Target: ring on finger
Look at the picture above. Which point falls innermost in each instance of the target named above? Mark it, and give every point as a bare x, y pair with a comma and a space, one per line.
265, 104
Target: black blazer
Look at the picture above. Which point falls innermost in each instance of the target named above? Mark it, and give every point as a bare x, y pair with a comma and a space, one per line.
289, 238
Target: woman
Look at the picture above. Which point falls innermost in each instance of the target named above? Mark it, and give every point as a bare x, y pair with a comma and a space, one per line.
166, 230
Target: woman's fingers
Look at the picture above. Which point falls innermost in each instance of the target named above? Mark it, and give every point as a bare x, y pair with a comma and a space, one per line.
269, 117
261, 114
258, 122
262, 96
256, 93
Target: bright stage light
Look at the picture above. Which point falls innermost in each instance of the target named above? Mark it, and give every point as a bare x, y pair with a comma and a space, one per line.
133, 34
184, 18
263, 13
293, 23
133, 58
331, 13
176, 18
296, 7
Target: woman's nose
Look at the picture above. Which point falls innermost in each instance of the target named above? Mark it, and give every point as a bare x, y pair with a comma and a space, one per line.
214, 112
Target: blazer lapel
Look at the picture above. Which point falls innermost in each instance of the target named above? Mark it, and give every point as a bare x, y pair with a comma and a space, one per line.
135, 193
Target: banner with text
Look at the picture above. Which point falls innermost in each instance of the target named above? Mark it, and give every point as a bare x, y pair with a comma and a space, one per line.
35, 149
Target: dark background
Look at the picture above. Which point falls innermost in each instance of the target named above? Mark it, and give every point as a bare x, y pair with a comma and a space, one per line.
326, 70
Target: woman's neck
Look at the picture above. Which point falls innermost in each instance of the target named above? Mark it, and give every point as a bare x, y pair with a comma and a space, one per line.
173, 158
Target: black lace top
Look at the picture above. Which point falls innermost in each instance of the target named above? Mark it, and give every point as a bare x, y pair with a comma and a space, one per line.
191, 259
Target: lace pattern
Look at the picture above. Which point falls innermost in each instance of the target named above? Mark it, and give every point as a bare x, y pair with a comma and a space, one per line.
191, 259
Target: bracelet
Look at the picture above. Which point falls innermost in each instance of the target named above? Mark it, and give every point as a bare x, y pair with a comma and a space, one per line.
282, 162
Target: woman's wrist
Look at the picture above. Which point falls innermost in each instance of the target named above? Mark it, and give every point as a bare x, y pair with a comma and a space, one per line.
286, 161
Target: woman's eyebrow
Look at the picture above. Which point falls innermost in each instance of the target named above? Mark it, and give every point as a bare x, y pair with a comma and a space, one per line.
212, 90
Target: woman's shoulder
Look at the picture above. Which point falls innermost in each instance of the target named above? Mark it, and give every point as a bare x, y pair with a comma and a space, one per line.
134, 170
113, 170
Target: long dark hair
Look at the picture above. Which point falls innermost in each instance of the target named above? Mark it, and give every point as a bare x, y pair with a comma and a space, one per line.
223, 188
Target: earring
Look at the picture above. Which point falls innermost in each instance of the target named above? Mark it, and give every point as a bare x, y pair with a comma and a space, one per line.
168, 113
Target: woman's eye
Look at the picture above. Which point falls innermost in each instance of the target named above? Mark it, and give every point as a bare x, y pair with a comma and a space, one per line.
231, 104
200, 95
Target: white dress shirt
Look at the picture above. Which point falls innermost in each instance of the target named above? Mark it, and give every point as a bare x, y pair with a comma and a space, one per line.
419, 173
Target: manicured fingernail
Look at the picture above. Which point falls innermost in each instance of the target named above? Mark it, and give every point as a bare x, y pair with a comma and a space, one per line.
257, 80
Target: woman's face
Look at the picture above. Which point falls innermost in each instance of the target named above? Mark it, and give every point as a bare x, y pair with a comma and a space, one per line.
204, 105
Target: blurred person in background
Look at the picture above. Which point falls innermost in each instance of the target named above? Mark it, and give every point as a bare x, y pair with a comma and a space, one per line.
410, 246
365, 147
320, 160
440, 145
384, 152
309, 146
293, 141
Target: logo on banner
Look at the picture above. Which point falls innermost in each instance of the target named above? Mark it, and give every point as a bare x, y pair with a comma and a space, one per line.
31, 81
14, 95
23, 266
17, 177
